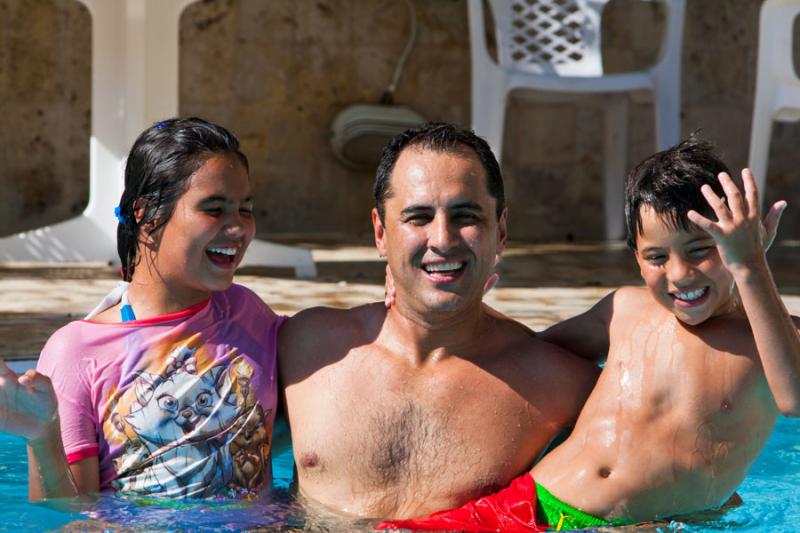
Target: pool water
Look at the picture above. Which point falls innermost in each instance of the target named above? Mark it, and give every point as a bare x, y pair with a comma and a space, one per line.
770, 493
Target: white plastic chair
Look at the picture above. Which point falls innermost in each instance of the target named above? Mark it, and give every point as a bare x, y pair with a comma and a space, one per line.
777, 85
553, 46
134, 83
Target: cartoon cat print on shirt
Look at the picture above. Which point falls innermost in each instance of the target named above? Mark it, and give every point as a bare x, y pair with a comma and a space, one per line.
184, 420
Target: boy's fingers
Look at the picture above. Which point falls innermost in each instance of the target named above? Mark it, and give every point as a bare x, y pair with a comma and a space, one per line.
701, 221
716, 203
491, 282
772, 220
750, 192
732, 195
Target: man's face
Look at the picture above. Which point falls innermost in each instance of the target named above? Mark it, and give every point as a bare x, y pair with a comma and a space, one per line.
441, 234
682, 269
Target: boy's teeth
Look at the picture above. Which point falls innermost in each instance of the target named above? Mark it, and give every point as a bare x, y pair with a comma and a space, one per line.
442, 267
225, 251
691, 295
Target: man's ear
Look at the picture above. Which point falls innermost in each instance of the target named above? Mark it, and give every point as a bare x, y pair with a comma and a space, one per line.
502, 231
380, 232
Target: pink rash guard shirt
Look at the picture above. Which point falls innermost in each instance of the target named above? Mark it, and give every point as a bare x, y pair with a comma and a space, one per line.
180, 405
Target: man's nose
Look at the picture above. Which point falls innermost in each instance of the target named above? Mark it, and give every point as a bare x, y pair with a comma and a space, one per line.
442, 233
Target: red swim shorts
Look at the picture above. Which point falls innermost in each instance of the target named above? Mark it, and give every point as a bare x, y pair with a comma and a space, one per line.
511, 510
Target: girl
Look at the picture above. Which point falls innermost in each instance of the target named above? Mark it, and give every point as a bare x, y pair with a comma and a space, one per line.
167, 388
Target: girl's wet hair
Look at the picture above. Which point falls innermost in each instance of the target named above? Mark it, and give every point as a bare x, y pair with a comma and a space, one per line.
669, 183
157, 173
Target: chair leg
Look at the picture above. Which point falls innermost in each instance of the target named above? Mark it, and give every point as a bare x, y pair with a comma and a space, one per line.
489, 113
668, 116
760, 136
616, 158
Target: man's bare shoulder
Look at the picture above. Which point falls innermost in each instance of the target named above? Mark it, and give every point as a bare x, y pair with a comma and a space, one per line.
548, 374
321, 335
536, 354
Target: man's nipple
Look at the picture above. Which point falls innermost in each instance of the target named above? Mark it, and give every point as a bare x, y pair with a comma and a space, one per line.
309, 460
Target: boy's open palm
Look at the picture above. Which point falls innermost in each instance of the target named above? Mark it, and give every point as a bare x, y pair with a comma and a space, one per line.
28, 403
740, 236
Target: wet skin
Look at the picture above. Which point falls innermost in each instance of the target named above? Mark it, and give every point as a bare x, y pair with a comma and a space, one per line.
400, 412
695, 375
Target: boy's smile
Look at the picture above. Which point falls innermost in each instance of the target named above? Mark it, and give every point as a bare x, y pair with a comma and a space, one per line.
682, 269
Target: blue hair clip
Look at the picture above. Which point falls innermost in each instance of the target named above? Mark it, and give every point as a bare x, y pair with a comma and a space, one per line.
120, 218
161, 125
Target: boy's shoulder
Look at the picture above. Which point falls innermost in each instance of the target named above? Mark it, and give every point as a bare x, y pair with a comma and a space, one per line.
629, 297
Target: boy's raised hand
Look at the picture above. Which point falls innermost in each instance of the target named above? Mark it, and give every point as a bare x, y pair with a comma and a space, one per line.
28, 405
740, 236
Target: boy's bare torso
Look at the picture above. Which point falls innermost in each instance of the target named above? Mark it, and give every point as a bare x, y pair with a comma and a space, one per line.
375, 436
676, 418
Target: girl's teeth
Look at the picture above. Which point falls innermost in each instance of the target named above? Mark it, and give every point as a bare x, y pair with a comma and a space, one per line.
225, 251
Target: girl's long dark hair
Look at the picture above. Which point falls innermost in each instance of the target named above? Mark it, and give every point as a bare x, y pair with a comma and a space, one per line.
157, 173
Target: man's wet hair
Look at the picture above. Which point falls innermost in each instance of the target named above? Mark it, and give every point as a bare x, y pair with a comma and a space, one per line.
444, 138
669, 183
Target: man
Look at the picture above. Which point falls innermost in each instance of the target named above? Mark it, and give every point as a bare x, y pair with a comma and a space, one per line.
439, 399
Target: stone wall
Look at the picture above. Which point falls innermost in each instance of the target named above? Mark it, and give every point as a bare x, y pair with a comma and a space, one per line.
276, 72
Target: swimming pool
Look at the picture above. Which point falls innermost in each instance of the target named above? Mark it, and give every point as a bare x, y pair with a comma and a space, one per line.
771, 495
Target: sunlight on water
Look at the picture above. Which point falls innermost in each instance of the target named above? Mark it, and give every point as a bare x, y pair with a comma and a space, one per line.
772, 501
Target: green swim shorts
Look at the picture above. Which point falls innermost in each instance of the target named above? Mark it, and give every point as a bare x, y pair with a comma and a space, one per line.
562, 516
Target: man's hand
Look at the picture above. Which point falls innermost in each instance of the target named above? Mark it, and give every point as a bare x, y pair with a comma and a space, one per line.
28, 405
740, 236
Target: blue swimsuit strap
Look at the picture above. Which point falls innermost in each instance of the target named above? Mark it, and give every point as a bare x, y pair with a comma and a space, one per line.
126, 310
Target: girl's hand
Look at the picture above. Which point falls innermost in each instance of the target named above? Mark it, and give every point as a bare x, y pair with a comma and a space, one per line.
28, 405
741, 238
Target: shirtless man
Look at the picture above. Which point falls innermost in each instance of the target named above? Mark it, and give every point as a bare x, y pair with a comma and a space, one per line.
439, 399
700, 363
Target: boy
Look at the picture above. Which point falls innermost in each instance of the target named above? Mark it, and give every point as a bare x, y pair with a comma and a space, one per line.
700, 363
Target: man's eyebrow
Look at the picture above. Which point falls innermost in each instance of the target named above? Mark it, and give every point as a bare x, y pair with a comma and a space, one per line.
473, 206
416, 209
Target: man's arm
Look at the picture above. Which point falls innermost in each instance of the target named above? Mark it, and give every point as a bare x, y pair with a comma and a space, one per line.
585, 335
738, 235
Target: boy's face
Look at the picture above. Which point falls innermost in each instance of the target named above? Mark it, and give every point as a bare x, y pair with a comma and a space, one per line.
682, 269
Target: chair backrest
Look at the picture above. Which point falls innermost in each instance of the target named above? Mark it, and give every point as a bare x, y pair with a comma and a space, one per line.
775, 40
560, 37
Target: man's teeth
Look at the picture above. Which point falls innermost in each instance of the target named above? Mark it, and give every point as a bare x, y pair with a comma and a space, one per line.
224, 251
442, 267
691, 295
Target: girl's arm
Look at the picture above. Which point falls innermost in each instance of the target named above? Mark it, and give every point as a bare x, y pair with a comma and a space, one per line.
28, 408
739, 239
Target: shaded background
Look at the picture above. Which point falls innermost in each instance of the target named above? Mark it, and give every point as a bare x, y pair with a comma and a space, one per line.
276, 72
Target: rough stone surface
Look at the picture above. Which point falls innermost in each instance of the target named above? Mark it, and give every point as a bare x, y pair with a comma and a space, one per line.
276, 73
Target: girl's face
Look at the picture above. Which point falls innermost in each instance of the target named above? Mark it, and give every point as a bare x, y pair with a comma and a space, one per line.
200, 246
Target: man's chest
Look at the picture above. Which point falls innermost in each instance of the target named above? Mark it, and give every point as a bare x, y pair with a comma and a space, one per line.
378, 440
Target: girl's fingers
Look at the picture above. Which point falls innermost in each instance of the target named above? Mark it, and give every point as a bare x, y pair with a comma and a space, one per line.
5, 371
750, 192
732, 195
716, 203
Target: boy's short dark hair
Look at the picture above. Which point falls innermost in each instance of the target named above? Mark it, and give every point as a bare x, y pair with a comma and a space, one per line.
439, 137
669, 183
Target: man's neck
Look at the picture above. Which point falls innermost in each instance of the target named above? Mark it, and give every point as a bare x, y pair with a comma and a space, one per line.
430, 336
